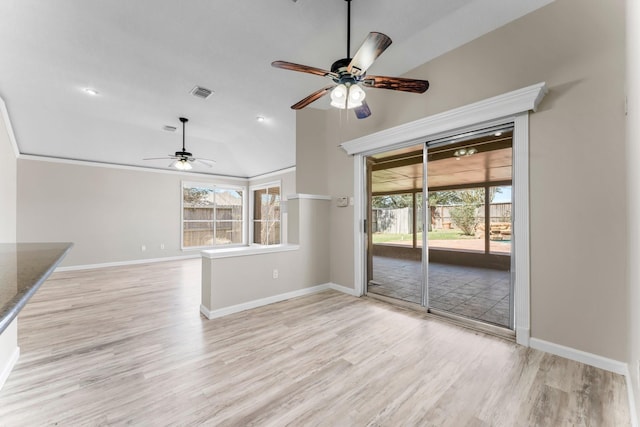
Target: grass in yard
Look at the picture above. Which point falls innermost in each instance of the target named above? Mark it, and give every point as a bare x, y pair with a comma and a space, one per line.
433, 235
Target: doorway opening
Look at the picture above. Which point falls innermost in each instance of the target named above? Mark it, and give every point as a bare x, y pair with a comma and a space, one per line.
454, 197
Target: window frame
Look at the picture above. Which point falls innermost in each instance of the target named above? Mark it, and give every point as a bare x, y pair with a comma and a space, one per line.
214, 186
252, 220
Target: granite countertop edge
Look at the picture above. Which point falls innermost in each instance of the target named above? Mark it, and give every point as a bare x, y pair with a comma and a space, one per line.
11, 309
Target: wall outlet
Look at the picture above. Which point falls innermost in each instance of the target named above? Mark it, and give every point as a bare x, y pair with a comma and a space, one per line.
162, 246
275, 273
143, 248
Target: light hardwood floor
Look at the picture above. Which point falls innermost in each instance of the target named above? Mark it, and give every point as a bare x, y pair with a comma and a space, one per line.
128, 346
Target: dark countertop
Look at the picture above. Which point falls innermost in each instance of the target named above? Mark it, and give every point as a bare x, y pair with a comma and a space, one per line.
23, 268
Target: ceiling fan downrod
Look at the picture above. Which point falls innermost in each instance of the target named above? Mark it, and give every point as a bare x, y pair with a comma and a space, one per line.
348, 28
183, 120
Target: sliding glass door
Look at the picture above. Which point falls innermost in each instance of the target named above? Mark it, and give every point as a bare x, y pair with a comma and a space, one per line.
458, 206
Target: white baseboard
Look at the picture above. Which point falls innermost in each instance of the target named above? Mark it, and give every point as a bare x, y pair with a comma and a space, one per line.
213, 314
633, 412
9, 366
591, 359
343, 289
123, 263
523, 336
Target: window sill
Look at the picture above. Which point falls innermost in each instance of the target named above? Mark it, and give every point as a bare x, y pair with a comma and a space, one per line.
247, 250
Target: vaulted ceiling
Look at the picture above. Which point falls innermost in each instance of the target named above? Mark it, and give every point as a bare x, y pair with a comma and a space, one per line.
143, 57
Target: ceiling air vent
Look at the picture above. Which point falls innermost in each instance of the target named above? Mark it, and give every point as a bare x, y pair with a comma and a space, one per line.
168, 128
201, 92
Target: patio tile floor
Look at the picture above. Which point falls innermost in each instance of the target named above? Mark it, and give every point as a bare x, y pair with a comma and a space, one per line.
478, 293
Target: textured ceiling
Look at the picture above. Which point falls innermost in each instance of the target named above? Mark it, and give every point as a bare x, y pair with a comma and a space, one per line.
144, 57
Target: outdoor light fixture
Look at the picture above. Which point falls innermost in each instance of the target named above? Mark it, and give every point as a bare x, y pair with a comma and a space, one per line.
347, 97
464, 152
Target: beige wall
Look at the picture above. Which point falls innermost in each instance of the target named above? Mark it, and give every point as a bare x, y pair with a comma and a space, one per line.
311, 152
8, 176
228, 282
633, 193
577, 166
108, 213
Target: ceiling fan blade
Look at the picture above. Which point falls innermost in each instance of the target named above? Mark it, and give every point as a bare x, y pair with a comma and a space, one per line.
396, 83
371, 48
363, 111
311, 98
303, 69
207, 163
157, 158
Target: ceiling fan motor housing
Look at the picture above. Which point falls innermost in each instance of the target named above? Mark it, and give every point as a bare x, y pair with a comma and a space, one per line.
344, 77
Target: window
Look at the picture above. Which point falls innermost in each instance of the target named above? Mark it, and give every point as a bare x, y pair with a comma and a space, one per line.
211, 216
266, 215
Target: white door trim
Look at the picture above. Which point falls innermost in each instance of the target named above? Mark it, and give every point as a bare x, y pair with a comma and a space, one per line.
512, 107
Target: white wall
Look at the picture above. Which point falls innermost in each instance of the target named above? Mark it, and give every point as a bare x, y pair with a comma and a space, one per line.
577, 168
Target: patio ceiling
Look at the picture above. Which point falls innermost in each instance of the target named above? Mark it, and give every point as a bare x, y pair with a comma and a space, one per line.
401, 170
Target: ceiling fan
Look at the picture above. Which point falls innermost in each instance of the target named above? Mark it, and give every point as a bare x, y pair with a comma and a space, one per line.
182, 159
349, 75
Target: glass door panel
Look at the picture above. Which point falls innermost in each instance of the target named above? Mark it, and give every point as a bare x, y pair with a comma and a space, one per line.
395, 226
469, 220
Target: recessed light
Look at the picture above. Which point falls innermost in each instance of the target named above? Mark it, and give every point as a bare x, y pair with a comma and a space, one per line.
90, 91
498, 133
260, 119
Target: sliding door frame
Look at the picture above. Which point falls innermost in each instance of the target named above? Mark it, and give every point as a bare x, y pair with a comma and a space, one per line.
512, 107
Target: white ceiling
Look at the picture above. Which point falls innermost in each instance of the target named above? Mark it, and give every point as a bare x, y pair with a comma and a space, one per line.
144, 57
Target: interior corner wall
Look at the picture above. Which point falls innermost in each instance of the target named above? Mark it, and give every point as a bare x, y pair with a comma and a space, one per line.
8, 211
633, 196
577, 169
8, 186
108, 213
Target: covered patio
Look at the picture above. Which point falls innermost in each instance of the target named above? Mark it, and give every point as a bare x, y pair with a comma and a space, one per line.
469, 268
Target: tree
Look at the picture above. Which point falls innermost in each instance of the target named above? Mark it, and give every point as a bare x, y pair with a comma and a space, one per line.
439, 198
194, 196
465, 215
392, 201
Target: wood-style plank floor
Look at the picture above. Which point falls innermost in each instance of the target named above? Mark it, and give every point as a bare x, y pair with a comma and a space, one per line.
127, 345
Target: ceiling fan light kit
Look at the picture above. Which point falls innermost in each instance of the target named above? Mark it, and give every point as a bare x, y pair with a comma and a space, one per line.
347, 97
349, 75
182, 165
